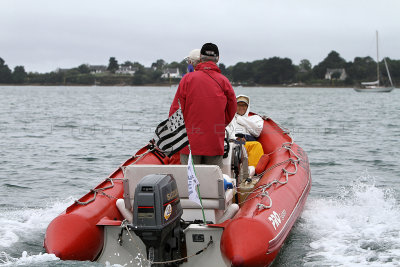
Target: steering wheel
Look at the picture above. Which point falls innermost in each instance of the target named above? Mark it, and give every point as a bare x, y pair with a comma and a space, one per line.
227, 146
237, 159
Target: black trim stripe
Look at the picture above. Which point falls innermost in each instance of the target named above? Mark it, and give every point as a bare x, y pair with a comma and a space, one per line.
171, 134
171, 143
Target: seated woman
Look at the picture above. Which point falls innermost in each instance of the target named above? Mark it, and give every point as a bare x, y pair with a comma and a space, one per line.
249, 126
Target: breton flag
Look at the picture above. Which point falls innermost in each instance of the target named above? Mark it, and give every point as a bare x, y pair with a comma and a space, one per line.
171, 134
192, 182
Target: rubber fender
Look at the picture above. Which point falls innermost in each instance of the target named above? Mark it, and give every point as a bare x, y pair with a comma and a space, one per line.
262, 163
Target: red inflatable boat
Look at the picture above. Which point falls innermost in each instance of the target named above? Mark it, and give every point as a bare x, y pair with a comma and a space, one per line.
246, 225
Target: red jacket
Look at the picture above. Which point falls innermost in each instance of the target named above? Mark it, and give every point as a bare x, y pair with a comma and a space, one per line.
208, 104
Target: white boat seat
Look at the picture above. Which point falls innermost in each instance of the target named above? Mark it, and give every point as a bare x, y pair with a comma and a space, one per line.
210, 177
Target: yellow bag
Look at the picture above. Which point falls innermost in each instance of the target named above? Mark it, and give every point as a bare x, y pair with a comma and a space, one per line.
254, 151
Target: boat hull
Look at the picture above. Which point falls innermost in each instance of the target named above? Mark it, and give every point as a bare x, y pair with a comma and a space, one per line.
252, 237
375, 90
255, 235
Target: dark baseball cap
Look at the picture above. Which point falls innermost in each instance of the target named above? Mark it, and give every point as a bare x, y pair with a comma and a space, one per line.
209, 49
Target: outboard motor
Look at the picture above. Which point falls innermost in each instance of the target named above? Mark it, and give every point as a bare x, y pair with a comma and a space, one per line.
156, 217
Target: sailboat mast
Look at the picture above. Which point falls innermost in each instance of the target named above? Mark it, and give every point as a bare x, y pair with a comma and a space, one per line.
387, 70
377, 58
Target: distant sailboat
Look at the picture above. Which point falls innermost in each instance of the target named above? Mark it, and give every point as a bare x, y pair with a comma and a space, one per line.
376, 86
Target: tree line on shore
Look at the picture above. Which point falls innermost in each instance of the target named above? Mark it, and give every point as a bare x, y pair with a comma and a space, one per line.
332, 71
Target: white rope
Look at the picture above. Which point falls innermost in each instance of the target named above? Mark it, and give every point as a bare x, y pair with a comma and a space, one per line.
96, 191
263, 188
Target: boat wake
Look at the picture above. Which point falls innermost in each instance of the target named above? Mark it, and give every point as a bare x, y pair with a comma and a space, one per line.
21, 236
19, 224
43, 259
26, 260
24, 228
358, 228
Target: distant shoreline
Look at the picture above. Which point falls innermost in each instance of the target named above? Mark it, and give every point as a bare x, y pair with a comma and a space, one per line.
172, 85
332, 72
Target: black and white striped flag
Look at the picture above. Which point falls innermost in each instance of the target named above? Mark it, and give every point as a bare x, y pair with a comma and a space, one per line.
171, 134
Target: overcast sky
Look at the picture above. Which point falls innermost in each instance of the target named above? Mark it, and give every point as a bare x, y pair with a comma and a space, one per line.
43, 35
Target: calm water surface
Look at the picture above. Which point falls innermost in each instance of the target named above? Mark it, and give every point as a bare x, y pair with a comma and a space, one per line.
58, 142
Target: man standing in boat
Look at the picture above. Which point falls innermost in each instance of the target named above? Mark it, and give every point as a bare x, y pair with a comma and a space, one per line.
208, 103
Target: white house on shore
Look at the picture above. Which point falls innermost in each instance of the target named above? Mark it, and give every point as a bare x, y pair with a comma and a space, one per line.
341, 72
129, 70
171, 73
95, 69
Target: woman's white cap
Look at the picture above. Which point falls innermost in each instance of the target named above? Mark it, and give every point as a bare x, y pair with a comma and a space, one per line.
194, 55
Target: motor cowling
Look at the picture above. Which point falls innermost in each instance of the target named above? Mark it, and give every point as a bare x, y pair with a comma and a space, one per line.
156, 216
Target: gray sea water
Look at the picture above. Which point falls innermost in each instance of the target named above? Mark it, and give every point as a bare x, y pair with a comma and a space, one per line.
56, 143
